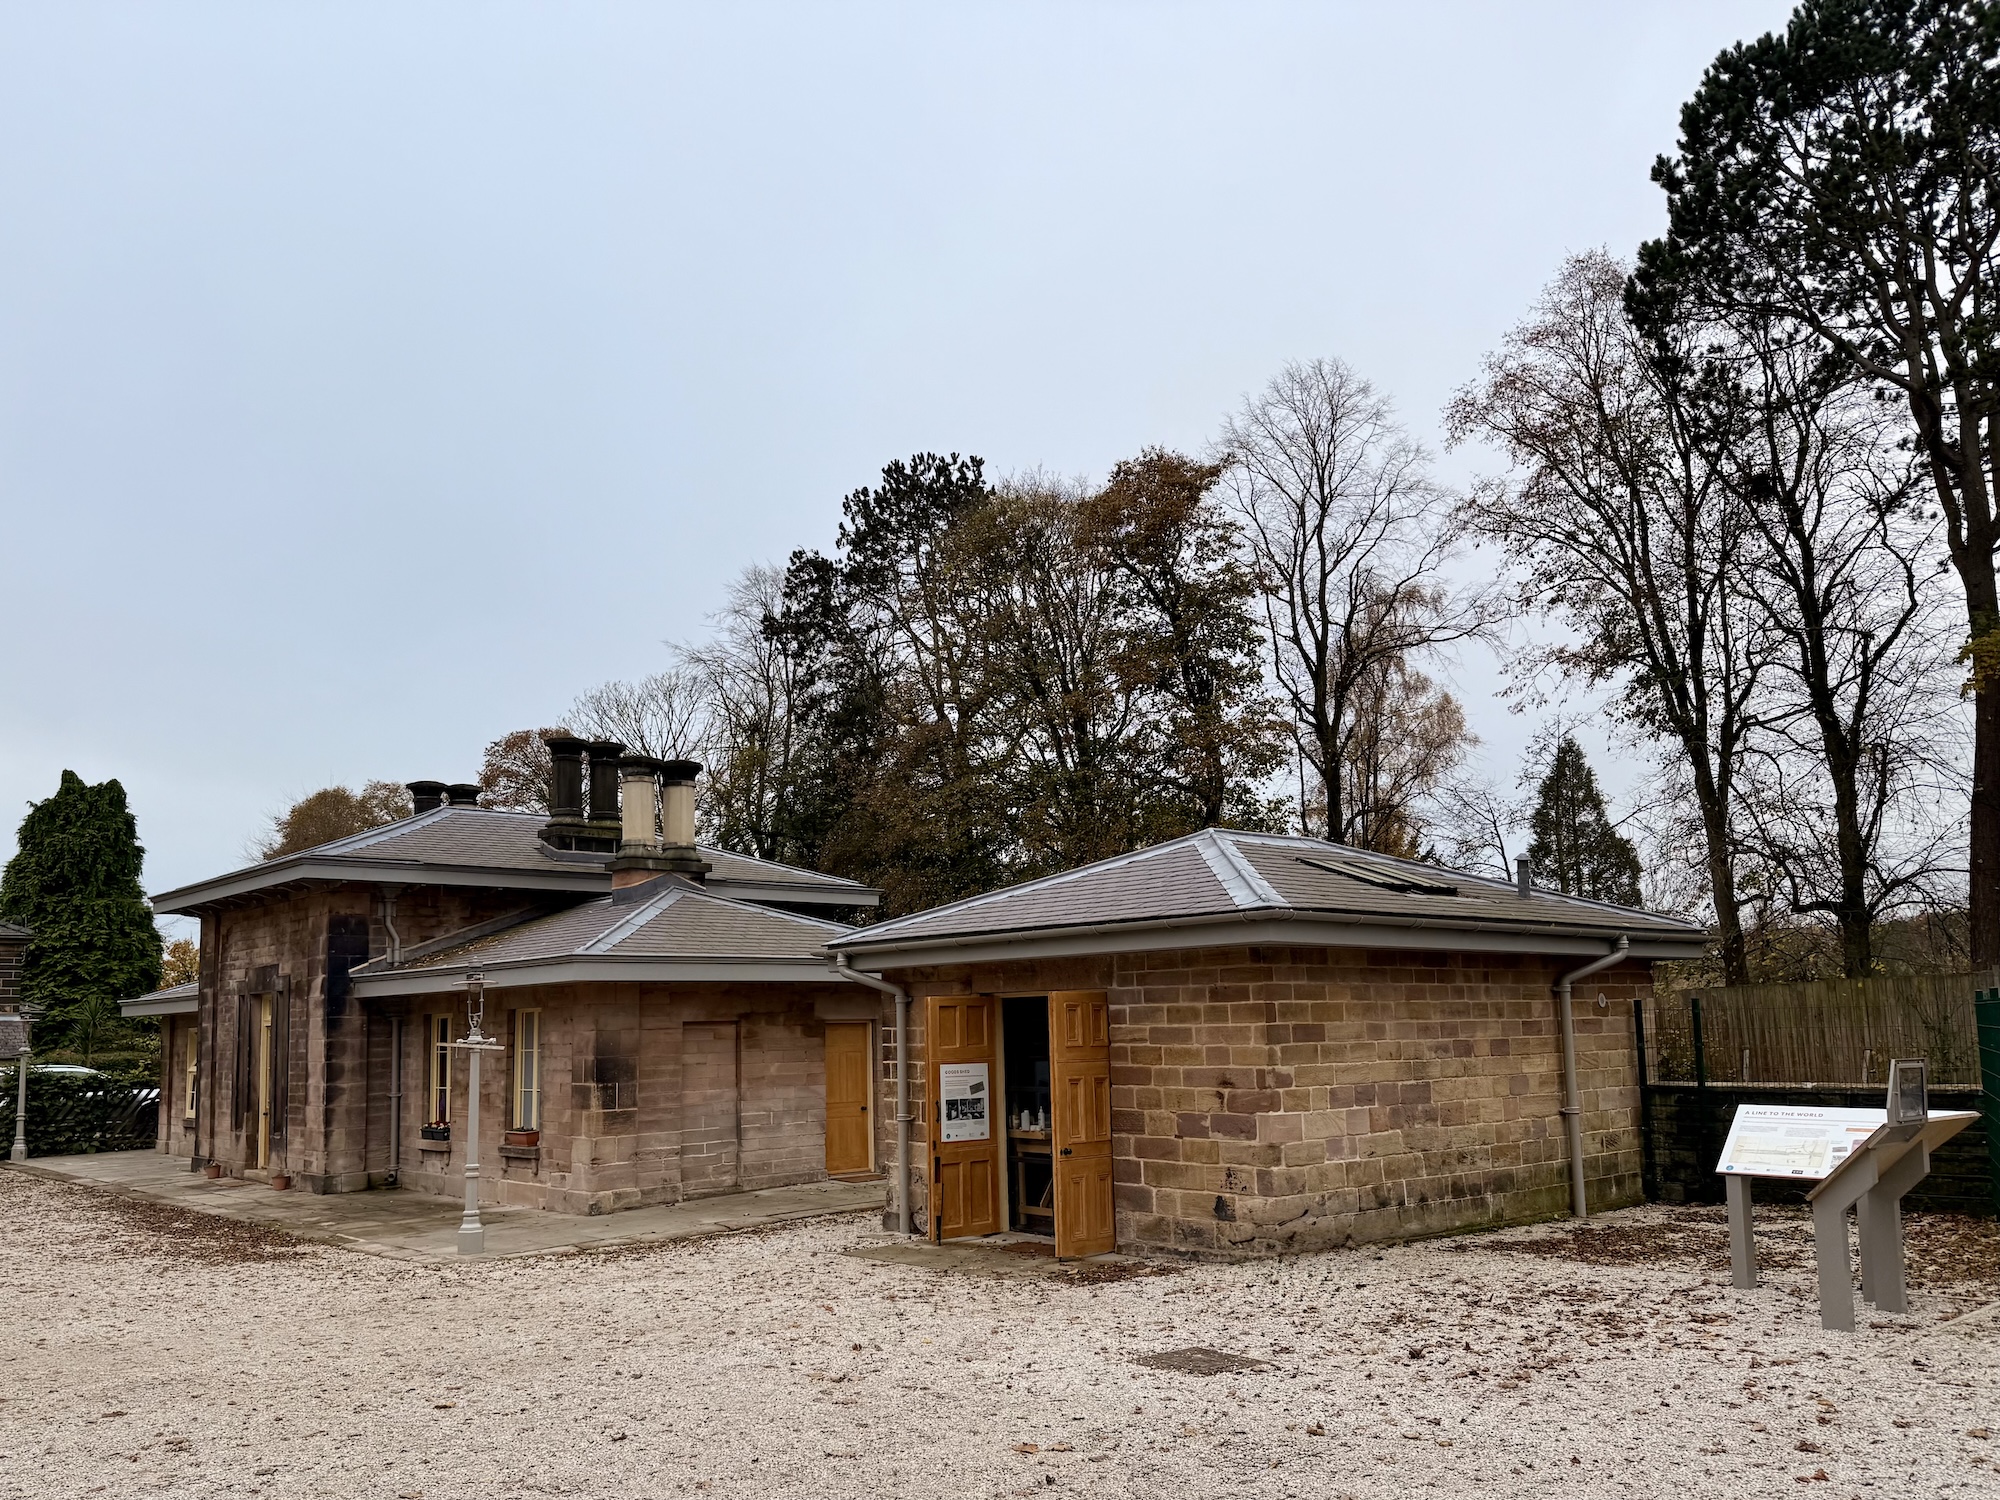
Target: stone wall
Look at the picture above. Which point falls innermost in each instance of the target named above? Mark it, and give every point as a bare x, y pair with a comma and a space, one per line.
177, 1123
1274, 1099
323, 1140
651, 1093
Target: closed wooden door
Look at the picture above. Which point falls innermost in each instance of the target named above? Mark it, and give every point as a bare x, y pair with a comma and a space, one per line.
848, 1088
965, 1140
1080, 1081
264, 1036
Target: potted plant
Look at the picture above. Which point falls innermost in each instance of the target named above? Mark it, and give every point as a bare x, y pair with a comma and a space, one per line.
437, 1130
211, 1170
524, 1137
281, 1180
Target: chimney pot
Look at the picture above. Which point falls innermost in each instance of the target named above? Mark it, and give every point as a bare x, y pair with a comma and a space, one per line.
638, 803
425, 795
677, 779
463, 793
565, 777
604, 756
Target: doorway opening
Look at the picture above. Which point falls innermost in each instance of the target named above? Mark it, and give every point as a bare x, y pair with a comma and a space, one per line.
1024, 1032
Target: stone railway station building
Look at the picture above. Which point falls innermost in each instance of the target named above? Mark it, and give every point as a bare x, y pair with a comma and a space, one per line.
1231, 1043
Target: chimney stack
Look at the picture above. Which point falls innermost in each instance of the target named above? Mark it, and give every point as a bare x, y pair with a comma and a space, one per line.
1523, 886
649, 849
425, 795
568, 827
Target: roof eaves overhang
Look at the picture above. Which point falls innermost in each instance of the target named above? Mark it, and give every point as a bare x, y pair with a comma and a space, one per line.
599, 969
146, 1005
1298, 930
280, 873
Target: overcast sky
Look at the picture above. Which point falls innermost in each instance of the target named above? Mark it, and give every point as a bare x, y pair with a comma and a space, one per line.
375, 378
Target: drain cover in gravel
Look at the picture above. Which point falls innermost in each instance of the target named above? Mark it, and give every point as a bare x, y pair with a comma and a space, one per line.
1200, 1361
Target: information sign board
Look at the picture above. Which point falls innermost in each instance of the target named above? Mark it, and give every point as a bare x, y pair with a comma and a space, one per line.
966, 1097
1794, 1140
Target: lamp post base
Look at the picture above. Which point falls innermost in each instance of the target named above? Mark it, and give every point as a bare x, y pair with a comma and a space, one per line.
17, 1152
472, 1239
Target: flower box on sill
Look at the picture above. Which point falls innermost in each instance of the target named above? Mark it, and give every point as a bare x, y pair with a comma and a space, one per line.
524, 1138
435, 1132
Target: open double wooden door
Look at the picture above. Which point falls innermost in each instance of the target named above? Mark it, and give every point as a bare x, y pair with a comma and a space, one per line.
967, 1120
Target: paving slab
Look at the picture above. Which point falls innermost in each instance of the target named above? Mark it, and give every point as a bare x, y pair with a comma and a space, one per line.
403, 1224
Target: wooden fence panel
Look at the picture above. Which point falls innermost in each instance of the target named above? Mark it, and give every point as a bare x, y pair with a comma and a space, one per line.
1829, 1031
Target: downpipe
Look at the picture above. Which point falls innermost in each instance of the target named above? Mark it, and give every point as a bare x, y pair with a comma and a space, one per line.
903, 1115
1572, 1106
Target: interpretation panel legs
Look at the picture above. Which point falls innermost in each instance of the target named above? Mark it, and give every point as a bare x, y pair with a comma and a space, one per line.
1742, 1248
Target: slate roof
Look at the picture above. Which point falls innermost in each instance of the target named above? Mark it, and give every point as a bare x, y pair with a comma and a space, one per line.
9, 933
174, 1000
665, 929
475, 845
1221, 874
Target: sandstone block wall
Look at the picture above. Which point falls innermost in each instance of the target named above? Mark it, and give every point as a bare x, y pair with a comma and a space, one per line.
1271, 1099
651, 1094
323, 1140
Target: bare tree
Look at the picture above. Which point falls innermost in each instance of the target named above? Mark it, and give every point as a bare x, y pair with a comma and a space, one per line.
1349, 538
1857, 745
1619, 524
753, 684
660, 715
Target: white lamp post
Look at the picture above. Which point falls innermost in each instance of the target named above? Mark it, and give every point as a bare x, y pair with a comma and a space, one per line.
475, 1042
27, 1015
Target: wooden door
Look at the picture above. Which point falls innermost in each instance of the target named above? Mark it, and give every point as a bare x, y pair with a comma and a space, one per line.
1080, 1082
264, 1030
965, 1140
848, 1087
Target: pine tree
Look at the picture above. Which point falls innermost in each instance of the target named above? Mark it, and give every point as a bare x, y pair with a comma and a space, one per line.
1575, 849
74, 882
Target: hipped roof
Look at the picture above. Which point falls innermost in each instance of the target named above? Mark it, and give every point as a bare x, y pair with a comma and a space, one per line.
669, 929
474, 846
1228, 886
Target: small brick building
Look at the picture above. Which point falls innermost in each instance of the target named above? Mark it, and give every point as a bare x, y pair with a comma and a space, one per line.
1246, 1043
669, 1024
14, 942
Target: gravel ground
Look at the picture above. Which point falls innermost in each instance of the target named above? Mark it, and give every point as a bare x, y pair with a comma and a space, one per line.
162, 1353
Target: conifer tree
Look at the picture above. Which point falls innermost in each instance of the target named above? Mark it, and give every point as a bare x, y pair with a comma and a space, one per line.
74, 882
1575, 849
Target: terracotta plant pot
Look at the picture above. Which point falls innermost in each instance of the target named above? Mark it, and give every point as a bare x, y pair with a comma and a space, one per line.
281, 1180
524, 1138
212, 1171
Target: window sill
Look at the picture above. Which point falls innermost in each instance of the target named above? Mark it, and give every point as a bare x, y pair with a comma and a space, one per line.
521, 1153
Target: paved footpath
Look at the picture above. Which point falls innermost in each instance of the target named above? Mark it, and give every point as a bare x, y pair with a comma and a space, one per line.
406, 1225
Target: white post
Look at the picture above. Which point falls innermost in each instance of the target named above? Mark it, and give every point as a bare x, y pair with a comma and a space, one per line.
471, 1233
20, 1151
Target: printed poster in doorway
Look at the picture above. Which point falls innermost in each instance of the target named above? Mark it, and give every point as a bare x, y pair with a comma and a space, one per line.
963, 1091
